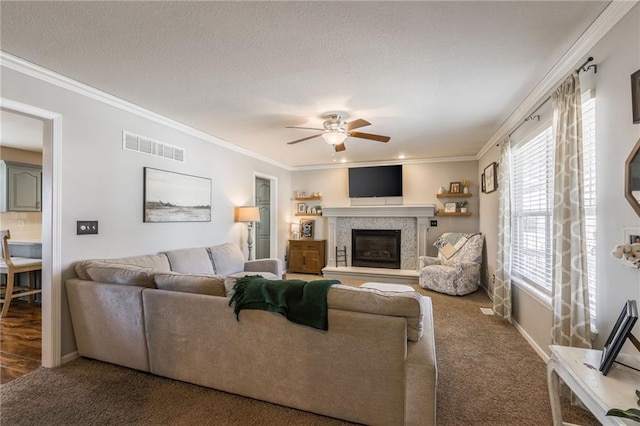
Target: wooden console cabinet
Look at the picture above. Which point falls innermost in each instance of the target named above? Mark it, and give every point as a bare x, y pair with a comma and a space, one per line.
307, 256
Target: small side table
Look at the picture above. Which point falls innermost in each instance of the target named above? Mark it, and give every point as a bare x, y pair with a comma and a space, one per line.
578, 368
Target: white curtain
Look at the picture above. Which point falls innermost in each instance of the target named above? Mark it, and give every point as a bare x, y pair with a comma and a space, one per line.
571, 317
502, 285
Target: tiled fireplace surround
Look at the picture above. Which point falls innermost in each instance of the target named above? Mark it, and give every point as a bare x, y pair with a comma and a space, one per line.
412, 221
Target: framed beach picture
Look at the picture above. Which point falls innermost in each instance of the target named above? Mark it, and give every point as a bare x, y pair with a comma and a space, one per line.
175, 197
449, 207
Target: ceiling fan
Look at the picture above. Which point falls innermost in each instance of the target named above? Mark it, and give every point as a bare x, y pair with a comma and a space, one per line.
336, 130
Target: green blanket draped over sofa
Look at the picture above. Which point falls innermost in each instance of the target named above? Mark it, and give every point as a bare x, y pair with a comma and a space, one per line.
299, 301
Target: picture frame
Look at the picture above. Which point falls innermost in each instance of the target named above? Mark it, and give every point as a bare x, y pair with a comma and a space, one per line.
619, 334
482, 184
491, 178
302, 194
306, 229
631, 235
175, 197
635, 96
454, 187
450, 207
302, 208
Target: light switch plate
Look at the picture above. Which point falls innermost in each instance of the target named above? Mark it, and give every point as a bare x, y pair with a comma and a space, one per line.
86, 227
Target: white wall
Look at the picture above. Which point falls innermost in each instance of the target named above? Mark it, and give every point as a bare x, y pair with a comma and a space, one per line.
617, 56
420, 184
101, 181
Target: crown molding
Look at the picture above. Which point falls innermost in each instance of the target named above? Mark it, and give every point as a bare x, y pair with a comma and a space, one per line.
615, 11
403, 162
25, 67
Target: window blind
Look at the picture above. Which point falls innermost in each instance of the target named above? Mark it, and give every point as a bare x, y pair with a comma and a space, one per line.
589, 177
532, 206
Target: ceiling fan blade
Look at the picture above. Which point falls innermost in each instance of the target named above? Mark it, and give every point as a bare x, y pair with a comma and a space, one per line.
356, 124
304, 139
305, 128
370, 136
340, 147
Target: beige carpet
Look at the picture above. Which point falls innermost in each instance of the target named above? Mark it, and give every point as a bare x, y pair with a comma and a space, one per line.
487, 375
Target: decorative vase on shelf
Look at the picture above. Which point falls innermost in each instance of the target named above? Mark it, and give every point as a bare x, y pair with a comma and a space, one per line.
441, 190
465, 190
463, 209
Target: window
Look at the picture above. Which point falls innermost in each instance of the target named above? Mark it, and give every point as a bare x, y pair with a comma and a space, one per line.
532, 206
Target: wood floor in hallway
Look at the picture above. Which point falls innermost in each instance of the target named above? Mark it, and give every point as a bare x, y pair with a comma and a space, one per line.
20, 340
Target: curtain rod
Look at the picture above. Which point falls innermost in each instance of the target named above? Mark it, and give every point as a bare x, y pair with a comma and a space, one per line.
531, 116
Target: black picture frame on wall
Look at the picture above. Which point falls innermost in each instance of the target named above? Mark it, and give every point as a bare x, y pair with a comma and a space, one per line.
621, 331
482, 185
635, 96
491, 178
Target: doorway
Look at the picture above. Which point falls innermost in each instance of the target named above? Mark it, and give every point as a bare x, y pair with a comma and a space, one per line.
51, 281
264, 193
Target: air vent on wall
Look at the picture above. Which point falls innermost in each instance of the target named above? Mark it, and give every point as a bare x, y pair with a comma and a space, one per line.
133, 142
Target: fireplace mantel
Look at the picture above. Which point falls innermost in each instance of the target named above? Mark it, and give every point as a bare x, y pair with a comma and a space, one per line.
421, 213
427, 210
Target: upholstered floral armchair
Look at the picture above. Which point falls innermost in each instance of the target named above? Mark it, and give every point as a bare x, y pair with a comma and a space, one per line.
456, 270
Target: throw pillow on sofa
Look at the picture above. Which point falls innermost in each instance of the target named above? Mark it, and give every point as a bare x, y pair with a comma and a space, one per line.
121, 274
227, 258
190, 261
186, 283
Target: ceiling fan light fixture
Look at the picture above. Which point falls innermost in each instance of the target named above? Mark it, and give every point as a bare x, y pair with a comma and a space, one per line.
334, 138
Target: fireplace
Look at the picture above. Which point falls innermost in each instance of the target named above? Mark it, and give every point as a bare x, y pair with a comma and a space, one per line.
375, 248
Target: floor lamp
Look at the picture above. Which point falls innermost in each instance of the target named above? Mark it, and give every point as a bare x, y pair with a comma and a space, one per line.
248, 214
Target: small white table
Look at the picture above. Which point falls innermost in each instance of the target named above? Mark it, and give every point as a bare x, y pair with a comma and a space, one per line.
578, 368
397, 288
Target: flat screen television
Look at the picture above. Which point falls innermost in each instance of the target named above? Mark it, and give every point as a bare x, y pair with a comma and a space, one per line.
377, 181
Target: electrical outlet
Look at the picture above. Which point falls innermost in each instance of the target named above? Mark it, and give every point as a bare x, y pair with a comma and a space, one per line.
434, 223
85, 227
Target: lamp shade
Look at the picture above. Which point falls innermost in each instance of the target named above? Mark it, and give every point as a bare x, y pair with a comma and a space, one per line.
247, 214
334, 137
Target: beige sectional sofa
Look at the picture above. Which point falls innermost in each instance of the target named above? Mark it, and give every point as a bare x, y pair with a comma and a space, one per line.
375, 365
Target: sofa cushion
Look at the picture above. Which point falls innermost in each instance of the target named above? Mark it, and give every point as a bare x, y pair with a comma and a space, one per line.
212, 285
190, 261
158, 262
359, 299
227, 259
121, 274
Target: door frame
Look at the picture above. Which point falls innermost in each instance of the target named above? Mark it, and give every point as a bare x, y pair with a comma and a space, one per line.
51, 228
273, 195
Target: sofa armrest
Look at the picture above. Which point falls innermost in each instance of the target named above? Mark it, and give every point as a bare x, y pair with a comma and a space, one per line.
265, 265
428, 261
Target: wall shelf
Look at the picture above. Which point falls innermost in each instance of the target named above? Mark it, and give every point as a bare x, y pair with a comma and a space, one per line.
457, 195
453, 214
308, 214
319, 197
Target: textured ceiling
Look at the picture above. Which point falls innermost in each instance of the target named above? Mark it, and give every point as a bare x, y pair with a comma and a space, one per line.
439, 78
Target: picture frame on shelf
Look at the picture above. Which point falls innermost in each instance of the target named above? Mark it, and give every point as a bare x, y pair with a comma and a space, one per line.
491, 178
454, 187
302, 194
302, 208
482, 184
635, 96
631, 235
306, 229
450, 207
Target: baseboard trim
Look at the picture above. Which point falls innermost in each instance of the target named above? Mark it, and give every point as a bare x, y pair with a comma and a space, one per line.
531, 342
69, 357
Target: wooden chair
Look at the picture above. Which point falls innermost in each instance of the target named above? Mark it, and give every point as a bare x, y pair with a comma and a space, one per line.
11, 266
